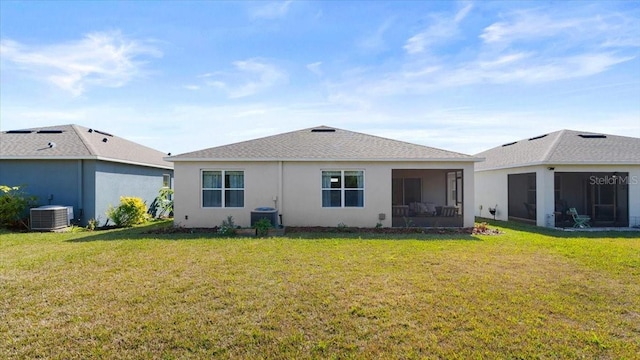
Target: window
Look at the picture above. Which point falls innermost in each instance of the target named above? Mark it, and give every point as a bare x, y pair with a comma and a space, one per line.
343, 188
222, 188
166, 180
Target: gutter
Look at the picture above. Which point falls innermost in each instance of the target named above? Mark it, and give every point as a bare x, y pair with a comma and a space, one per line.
168, 166
469, 159
555, 163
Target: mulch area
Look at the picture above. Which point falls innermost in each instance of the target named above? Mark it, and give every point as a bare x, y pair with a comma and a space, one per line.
334, 230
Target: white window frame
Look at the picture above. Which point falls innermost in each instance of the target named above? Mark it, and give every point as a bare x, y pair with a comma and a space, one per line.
168, 182
222, 189
343, 189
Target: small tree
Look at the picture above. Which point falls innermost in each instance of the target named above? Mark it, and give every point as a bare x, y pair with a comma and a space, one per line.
14, 204
131, 211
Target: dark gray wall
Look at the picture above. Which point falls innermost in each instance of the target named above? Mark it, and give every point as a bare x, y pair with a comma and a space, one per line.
53, 182
90, 186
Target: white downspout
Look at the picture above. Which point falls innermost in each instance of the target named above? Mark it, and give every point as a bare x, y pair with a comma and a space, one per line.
280, 190
80, 190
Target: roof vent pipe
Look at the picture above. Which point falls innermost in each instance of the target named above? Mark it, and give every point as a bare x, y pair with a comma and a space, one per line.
104, 140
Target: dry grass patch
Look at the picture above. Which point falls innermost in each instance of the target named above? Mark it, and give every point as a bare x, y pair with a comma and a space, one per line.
126, 294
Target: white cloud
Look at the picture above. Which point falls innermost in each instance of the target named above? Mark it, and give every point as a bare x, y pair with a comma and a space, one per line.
442, 29
98, 59
376, 40
607, 29
249, 77
271, 10
315, 68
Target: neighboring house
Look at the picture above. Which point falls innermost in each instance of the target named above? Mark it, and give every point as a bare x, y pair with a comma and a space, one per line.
537, 180
88, 169
325, 177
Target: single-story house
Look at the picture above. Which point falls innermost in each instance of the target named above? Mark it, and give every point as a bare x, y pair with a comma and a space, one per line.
539, 179
325, 176
88, 169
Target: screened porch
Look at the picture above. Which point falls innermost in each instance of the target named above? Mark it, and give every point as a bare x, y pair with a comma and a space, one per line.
427, 198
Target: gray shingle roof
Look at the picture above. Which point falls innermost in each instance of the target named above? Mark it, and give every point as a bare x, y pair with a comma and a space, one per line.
563, 147
76, 142
320, 144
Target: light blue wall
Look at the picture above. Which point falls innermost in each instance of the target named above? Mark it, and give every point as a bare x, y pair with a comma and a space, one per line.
114, 180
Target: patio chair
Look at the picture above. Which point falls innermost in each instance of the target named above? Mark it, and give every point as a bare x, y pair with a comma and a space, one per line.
580, 221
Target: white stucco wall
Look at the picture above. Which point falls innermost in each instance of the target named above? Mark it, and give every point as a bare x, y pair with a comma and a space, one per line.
298, 189
491, 188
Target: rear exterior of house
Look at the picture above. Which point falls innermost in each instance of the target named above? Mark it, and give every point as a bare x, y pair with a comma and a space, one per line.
538, 180
70, 165
325, 177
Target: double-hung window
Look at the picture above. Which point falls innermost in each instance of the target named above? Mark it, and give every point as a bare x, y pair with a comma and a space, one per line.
222, 188
343, 188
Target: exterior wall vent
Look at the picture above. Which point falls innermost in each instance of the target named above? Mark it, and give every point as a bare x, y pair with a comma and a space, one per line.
593, 136
49, 217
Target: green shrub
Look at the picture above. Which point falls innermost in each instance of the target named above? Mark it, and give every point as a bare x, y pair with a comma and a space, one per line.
14, 204
131, 211
228, 227
262, 227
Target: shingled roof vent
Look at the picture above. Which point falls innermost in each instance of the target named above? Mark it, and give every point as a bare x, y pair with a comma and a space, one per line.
324, 129
537, 137
509, 144
50, 131
19, 132
593, 136
103, 133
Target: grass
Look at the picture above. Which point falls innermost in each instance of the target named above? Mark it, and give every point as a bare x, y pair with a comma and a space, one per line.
527, 293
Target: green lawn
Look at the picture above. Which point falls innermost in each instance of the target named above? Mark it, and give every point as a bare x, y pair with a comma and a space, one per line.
126, 294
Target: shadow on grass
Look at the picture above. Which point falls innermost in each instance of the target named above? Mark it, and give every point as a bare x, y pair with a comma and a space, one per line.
559, 233
151, 231
164, 231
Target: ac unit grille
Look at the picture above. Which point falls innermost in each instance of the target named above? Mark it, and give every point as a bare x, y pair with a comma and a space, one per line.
49, 218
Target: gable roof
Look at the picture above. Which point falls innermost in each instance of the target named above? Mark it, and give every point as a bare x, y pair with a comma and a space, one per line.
322, 144
563, 147
76, 142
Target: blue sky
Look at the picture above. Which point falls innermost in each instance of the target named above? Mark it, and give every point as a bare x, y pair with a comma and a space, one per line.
180, 76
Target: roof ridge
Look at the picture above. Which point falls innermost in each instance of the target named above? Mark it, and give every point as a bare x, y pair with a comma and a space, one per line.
554, 146
84, 141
